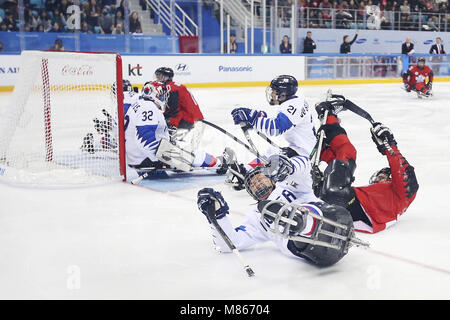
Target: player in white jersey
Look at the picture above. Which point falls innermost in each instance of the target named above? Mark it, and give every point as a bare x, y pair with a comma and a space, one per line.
146, 128
292, 229
293, 121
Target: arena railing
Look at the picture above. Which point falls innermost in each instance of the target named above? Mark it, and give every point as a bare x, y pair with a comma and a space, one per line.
368, 66
371, 18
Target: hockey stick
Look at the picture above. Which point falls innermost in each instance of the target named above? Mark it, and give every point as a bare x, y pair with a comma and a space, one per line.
213, 219
318, 147
148, 171
232, 137
349, 105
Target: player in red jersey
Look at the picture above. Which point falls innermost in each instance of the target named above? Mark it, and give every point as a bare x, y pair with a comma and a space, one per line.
415, 79
391, 190
183, 111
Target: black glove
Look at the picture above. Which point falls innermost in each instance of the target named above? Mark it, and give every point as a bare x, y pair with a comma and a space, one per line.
317, 178
333, 107
429, 85
382, 135
206, 202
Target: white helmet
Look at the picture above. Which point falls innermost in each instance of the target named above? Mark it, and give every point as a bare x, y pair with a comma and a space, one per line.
156, 93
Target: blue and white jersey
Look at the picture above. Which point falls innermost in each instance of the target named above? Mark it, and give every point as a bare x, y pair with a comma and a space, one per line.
145, 126
252, 232
294, 121
302, 192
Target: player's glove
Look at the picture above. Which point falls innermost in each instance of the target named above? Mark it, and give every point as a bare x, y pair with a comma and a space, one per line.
317, 178
429, 85
247, 116
333, 107
382, 135
407, 87
279, 167
206, 202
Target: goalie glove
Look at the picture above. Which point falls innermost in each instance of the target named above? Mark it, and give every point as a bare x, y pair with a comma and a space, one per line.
206, 202
382, 136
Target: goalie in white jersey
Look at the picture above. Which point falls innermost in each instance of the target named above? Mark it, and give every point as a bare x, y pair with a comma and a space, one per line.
147, 139
299, 223
293, 121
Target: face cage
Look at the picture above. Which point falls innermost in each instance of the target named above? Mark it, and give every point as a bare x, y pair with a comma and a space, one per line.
375, 177
263, 190
158, 95
161, 78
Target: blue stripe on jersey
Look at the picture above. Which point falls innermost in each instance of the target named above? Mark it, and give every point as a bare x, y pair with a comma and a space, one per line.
274, 127
126, 106
242, 228
147, 133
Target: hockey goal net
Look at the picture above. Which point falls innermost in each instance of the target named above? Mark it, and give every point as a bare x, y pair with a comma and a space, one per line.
64, 123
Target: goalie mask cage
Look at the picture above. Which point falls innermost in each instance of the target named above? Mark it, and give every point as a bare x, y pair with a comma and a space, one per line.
64, 122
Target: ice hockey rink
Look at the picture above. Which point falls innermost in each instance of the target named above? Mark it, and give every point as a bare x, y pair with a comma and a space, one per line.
121, 241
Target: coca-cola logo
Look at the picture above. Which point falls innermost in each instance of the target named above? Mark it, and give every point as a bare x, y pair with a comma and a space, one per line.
84, 70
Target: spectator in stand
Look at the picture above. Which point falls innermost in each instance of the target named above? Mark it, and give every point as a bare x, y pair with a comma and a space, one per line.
342, 19
308, 44
59, 17
346, 44
285, 46
405, 15
10, 22
437, 48
31, 19
118, 29
105, 22
233, 44
58, 46
1, 46
118, 18
55, 27
85, 28
44, 20
408, 47
325, 7
134, 22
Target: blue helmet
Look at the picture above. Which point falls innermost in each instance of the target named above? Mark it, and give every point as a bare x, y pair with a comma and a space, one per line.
281, 88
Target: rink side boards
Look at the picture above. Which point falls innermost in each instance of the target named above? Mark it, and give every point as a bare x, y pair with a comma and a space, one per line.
197, 71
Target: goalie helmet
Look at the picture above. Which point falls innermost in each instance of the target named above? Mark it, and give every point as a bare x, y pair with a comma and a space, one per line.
281, 88
258, 185
164, 74
156, 93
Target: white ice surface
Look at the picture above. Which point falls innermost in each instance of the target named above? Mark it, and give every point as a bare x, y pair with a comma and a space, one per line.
129, 242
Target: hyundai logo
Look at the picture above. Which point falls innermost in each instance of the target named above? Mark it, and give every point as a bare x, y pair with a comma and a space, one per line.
181, 67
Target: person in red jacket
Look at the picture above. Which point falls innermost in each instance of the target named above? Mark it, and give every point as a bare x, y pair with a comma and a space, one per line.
391, 190
415, 79
182, 111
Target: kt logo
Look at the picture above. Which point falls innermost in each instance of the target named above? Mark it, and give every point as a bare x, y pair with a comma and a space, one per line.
134, 71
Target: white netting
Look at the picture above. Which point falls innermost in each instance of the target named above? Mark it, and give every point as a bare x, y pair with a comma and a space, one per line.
61, 125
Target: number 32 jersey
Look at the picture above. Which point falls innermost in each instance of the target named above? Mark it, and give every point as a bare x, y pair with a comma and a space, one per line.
294, 121
145, 126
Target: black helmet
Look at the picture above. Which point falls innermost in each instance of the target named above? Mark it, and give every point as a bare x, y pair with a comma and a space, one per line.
386, 172
166, 74
421, 59
260, 189
283, 86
